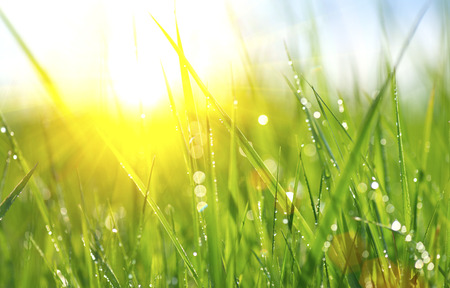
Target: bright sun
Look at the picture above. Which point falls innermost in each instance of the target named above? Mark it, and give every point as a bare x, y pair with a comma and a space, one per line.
89, 47
133, 55
136, 48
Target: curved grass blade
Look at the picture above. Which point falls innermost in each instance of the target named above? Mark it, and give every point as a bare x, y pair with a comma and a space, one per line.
9, 200
309, 191
263, 266
107, 270
252, 155
178, 121
24, 164
141, 187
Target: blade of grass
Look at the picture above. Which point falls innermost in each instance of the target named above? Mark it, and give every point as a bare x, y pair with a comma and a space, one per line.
275, 203
294, 193
214, 238
316, 219
5, 172
9, 200
403, 177
427, 130
25, 167
317, 134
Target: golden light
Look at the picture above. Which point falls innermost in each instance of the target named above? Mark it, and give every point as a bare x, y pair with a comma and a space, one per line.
136, 47
108, 49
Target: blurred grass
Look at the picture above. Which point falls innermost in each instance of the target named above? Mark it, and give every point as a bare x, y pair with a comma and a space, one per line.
318, 196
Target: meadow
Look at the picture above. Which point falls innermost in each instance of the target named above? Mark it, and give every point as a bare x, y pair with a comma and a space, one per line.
239, 185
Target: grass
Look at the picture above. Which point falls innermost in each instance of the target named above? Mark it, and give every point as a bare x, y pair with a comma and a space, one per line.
331, 192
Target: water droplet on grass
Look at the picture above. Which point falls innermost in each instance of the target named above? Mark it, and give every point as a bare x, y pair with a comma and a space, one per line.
420, 247
390, 208
263, 119
362, 187
201, 206
200, 191
396, 225
374, 185
199, 177
334, 227
290, 196
419, 264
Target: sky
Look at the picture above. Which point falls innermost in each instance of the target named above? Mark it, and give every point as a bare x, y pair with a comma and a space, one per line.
88, 47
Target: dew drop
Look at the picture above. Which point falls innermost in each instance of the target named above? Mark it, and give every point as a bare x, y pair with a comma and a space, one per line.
290, 196
419, 264
199, 177
200, 191
374, 185
263, 120
396, 225
334, 227
201, 206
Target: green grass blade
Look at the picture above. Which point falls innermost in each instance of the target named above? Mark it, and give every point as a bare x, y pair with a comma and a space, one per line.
25, 167
140, 185
316, 219
211, 215
9, 200
427, 130
178, 121
403, 177
252, 155
5, 172
186, 83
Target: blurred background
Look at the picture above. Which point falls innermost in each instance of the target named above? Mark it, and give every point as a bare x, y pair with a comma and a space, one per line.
97, 50
71, 71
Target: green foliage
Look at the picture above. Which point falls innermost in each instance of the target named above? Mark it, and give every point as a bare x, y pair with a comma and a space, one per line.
335, 208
